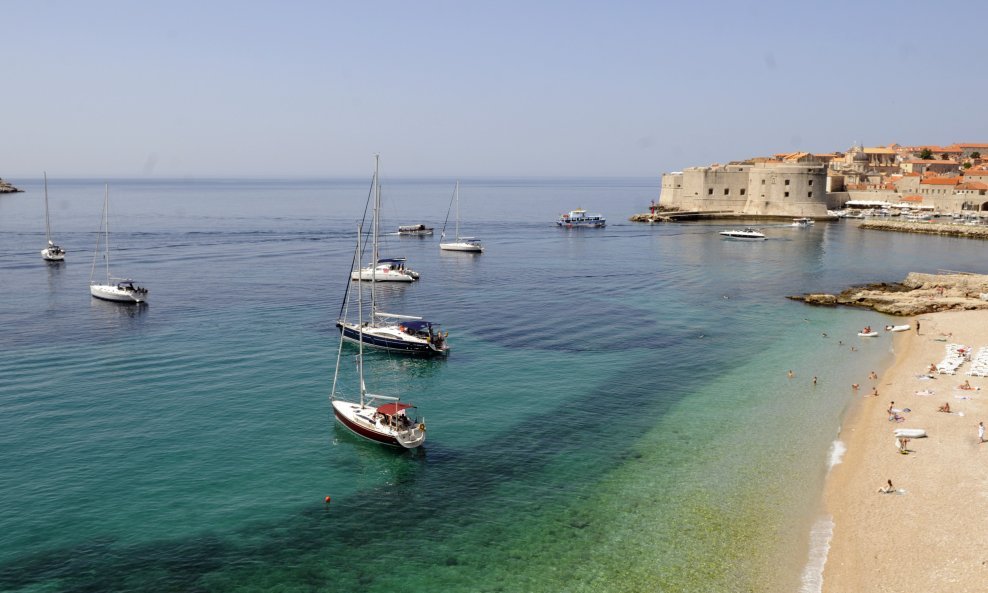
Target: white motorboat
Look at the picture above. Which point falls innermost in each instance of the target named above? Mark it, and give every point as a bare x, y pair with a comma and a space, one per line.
802, 222
120, 290
51, 252
392, 423
397, 333
464, 244
746, 234
579, 218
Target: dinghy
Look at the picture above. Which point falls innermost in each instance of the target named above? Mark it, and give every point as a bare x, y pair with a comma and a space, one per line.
896, 328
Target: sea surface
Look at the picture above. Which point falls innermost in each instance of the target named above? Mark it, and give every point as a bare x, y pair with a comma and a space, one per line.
615, 414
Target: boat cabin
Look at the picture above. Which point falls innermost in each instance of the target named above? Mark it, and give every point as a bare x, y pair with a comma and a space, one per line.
425, 330
128, 285
397, 415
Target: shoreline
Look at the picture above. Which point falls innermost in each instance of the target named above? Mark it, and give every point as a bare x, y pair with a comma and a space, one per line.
929, 534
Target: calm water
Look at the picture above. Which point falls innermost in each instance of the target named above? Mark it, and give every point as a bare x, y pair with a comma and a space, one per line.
615, 415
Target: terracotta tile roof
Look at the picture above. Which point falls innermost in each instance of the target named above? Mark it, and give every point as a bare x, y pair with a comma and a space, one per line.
970, 145
912, 198
879, 151
941, 181
910, 174
972, 185
931, 161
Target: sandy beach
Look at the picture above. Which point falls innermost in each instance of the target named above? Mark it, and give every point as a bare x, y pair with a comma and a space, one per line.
931, 534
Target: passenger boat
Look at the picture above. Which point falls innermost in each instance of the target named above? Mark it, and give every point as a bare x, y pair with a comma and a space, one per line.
414, 230
51, 252
747, 234
392, 423
464, 244
579, 219
120, 290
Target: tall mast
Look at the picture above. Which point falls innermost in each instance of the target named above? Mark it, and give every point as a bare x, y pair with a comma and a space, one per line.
47, 224
106, 223
360, 328
457, 192
374, 254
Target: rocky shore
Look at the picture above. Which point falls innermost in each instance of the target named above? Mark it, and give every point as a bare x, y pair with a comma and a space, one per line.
6, 188
928, 228
917, 294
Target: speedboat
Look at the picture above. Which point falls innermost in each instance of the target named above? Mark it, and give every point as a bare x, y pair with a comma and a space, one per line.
747, 234
391, 269
414, 229
802, 222
580, 219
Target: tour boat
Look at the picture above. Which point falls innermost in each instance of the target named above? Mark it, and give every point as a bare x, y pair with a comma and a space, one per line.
747, 234
392, 423
580, 219
120, 290
414, 229
51, 252
465, 244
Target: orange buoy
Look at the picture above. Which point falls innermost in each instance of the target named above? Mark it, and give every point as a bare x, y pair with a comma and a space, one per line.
327, 500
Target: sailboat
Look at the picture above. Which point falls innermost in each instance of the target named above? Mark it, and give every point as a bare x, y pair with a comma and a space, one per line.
391, 423
389, 331
468, 244
391, 269
52, 252
121, 290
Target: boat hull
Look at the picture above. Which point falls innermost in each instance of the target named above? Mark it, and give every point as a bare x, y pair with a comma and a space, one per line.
49, 255
359, 420
581, 225
380, 276
464, 247
109, 292
375, 338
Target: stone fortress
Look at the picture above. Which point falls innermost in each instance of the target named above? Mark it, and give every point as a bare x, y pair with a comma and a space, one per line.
949, 180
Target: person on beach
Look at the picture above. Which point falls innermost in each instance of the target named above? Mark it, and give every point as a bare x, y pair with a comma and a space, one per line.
917, 327
945, 407
981, 432
966, 386
887, 489
874, 392
891, 405
933, 368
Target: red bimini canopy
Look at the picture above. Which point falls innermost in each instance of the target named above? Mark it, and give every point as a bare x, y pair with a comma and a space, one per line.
392, 409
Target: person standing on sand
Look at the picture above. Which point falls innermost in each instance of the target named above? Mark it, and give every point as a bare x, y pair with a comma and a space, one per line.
917, 327
981, 432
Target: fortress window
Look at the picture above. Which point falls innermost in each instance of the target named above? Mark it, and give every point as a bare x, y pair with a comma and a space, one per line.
727, 191
809, 194
763, 182
787, 194
742, 191
787, 182
710, 191
811, 182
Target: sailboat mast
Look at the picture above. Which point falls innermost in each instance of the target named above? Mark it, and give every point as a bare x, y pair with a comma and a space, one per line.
457, 192
360, 328
106, 223
374, 254
47, 224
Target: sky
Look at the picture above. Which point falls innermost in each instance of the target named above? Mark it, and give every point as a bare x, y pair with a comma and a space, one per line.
216, 88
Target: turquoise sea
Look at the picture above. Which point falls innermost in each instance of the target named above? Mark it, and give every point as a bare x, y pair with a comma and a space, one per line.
615, 414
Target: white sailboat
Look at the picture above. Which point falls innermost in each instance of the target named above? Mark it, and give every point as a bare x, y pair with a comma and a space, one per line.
388, 331
391, 269
467, 244
392, 423
51, 252
121, 290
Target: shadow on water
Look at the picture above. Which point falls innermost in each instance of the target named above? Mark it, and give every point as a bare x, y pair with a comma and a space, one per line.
427, 493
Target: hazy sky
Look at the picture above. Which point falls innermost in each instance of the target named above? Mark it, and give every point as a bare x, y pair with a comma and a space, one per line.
460, 88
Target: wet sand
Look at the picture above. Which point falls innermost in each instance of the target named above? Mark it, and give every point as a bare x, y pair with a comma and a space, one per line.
932, 534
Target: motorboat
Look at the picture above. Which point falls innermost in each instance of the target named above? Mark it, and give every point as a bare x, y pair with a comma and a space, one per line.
414, 230
120, 290
389, 269
802, 222
465, 244
51, 252
392, 422
580, 219
746, 234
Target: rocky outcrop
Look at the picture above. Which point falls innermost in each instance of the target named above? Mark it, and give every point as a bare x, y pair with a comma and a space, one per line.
928, 228
6, 188
917, 294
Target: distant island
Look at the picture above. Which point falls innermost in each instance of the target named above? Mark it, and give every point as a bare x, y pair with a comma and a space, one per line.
6, 188
943, 179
